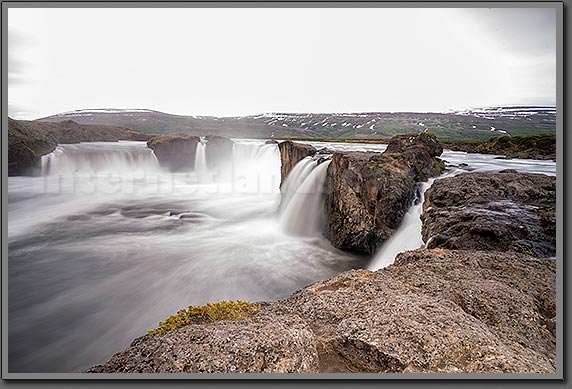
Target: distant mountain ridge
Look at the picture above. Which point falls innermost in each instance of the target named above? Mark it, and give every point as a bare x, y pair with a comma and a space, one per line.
479, 123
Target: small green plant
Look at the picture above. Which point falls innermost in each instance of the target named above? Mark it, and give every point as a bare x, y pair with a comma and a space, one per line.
222, 310
527, 251
439, 166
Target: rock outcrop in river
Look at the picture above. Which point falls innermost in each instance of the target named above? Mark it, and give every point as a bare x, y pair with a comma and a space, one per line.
291, 153
218, 151
504, 211
175, 152
29, 140
367, 194
431, 311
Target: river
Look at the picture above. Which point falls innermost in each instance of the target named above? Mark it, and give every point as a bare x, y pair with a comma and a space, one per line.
105, 244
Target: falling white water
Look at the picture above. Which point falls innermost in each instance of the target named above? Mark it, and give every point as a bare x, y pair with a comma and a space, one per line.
408, 235
82, 262
294, 179
201, 157
304, 214
255, 167
100, 158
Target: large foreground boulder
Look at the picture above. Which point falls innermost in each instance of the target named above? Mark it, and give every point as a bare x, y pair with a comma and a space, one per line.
267, 343
431, 311
367, 193
290, 154
175, 152
504, 211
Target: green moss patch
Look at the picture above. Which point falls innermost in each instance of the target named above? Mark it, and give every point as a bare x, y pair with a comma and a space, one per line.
222, 310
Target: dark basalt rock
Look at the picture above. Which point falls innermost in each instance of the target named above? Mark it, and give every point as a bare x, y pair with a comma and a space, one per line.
433, 311
504, 211
367, 193
415, 142
29, 140
291, 153
175, 152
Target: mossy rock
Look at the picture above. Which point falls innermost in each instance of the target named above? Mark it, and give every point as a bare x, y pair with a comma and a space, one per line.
211, 312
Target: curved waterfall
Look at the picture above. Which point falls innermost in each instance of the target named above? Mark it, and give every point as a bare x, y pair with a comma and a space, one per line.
294, 179
93, 257
303, 215
96, 158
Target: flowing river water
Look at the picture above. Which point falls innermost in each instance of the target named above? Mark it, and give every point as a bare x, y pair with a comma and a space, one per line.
104, 243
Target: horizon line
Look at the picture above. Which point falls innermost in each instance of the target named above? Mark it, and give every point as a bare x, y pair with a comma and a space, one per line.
449, 111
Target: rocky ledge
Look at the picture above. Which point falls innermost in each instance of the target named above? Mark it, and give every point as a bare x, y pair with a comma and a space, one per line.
218, 151
290, 154
175, 152
29, 140
539, 146
504, 211
367, 193
432, 311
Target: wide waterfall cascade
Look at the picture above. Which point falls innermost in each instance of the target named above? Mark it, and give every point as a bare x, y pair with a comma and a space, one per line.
97, 158
137, 242
201, 157
304, 214
255, 167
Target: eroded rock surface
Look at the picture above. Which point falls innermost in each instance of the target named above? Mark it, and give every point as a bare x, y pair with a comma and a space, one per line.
290, 154
432, 311
175, 152
267, 343
504, 211
367, 193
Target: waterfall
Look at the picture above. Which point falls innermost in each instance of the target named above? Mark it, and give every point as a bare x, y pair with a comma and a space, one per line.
96, 158
256, 167
304, 213
201, 157
294, 179
408, 235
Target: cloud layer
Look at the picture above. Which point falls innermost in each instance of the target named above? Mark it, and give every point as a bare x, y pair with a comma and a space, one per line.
244, 61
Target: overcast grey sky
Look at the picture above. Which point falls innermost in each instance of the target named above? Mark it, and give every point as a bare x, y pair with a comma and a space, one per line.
245, 61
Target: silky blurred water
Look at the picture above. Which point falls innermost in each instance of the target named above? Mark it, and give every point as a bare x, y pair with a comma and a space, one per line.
105, 244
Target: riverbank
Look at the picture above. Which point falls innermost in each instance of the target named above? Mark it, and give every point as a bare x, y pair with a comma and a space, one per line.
435, 311
540, 146
485, 310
